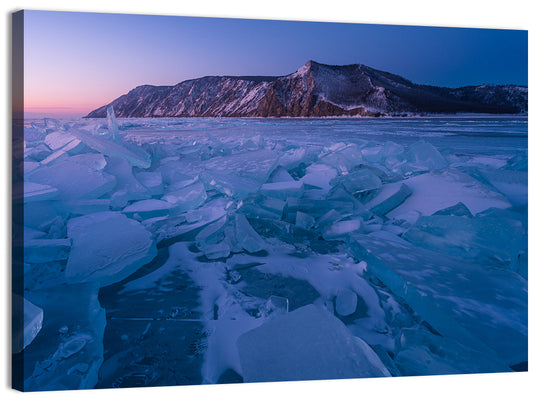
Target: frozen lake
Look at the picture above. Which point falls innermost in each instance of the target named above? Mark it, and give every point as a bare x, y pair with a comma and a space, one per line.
241, 250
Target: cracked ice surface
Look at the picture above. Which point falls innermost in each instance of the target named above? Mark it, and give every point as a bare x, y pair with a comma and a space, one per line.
163, 251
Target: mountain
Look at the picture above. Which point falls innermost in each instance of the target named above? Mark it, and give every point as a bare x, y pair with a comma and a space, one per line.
313, 90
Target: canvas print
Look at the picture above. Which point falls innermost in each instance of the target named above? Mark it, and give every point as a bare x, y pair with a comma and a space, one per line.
209, 201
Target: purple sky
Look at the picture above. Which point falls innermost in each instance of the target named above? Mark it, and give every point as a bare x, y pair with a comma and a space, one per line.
76, 62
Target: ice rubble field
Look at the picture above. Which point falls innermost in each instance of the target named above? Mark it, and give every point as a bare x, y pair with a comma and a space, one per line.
161, 252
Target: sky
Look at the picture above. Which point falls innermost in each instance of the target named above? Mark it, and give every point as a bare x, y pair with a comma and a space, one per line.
76, 62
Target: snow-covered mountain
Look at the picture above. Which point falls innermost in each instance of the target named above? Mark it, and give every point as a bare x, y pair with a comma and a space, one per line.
313, 90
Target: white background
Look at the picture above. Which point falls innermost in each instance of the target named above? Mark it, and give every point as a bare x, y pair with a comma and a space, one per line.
507, 14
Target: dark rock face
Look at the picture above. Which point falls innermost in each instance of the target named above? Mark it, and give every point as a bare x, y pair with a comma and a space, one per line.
313, 90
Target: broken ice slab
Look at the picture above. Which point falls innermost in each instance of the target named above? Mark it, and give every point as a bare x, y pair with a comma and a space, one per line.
317, 208
345, 302
360, 183
486, 239
229, 184
458, 209
306, 344
147, 209
470, 302
27, 322
253, 165
92, 160
389, 198
46, 250
217, 251
74, 180
152, 181
38, 192
279, 175
319, 176
424, 154
424, 353
304, 221
342, 228
246, 236
59, 140
441, 189
106, 247
122, 170
283, 190
68, 351
136, 156
186, 198
343, 159
259, 206
511, 183
211, 234
192, 221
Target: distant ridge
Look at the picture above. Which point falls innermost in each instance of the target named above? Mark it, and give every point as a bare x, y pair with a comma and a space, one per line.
314, 90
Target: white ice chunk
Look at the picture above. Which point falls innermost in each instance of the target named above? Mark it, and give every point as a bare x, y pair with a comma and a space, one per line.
306, 344
107, 247
345, 302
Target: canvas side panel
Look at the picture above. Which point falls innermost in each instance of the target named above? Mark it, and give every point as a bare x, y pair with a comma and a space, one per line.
17, 164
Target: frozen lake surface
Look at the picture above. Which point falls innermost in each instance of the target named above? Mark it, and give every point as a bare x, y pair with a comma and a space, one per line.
189, 251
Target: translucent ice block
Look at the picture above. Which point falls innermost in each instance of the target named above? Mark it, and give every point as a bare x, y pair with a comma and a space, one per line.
186, 198
31, 323
483, 238
135, 156
389, 198
283, 190
424, 154
74, 180
360, 182
106, 247
247, 236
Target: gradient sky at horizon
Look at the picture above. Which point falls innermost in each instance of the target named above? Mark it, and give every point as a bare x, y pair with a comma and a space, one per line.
76, 62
